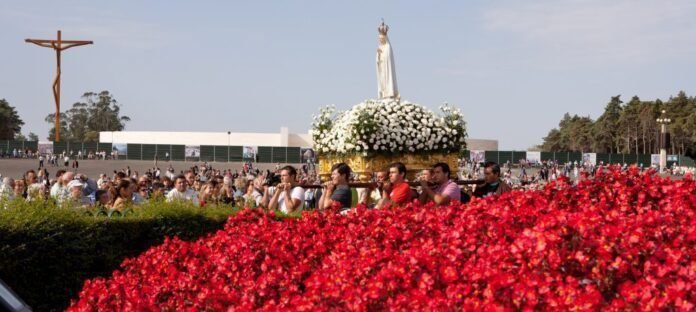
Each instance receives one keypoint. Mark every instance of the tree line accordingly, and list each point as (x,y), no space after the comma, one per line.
(10,123)
(82,122)
(629,128)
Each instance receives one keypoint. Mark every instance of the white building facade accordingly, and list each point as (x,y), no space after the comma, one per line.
(280,139)
(283,138)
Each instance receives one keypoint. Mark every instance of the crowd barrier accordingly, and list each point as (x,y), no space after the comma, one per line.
(502,157)
(273,154)
(263,154)
(6,145)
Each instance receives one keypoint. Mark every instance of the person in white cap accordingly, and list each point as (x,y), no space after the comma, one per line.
(76,198)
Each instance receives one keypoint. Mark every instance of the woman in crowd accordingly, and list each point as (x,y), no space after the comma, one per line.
(214,189)
(206,195)
(248,197)
(124,195)
(157,191)
(254,196)
(44,177)
(135,191)
(197,185)
(226,191)
(239,187)
(19,188)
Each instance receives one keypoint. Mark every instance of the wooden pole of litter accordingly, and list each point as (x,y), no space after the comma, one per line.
(374,185)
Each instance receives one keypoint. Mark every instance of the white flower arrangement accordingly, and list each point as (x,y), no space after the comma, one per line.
(388,126)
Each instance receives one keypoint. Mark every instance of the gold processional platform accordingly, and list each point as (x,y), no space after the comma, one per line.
(365,166)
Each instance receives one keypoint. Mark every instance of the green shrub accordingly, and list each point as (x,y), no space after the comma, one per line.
(47,252)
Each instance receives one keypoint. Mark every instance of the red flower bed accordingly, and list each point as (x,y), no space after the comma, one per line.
(619,241)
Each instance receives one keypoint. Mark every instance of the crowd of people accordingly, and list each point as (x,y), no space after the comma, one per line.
(55,159)
(534,175)
(17,153)
(201,185)
(286,188)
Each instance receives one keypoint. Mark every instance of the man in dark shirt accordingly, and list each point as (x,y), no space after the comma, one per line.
(337,190)
(493,184)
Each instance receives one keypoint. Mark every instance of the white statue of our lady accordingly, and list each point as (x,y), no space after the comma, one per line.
(386,72)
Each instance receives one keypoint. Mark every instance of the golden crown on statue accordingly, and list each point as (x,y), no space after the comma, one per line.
(383,29)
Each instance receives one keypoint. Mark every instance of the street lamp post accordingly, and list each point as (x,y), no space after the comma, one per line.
(663,121)
(228,145)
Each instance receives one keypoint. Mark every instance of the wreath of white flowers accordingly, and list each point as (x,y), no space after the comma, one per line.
(388,126)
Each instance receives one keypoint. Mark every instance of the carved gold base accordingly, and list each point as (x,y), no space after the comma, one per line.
(364,167)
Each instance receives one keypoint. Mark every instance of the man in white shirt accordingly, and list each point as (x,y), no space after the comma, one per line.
(60,190)
(288,197)
(182,192)
(35,190)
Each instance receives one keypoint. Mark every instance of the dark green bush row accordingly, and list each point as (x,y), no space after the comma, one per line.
(47,252)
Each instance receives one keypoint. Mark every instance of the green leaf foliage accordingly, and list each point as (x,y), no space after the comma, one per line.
(49,251)
(94,113)
(10,123)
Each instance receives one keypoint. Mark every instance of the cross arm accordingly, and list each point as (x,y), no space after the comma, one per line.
(70,44)
(65,44)
(43,43)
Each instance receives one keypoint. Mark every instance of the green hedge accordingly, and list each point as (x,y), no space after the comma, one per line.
(47,252)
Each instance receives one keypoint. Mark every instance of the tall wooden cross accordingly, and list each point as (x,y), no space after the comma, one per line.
(58,45)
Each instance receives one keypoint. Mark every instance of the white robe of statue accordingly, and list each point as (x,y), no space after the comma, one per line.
(386,71)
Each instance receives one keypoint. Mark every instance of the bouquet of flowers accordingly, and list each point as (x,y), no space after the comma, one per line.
(388,126)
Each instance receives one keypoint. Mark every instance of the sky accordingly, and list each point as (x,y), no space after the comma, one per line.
(513,67)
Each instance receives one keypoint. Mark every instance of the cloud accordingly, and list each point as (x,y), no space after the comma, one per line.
(598,33)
